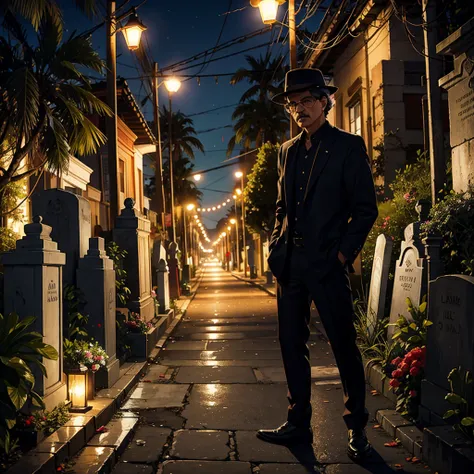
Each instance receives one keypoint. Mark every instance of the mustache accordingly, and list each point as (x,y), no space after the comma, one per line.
(301,116)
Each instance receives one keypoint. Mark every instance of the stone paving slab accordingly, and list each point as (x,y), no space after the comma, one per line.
(34,463)
(155,439)
(203,444)
(156,372)
(206,467)
(221,363)
(118,434)
(186,345)
(92,460)
(250,329)
(201,336)
(149,395)
(162,417)
(246,344)
(87,421)
(215,375)
(277,374)
(270,468)
(224,355)
(391,468)
(236,407)
(131,468)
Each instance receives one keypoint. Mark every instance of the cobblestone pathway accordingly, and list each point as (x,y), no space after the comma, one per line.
(220,378)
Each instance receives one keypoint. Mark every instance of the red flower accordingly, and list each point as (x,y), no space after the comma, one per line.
(394,383)
(396,374)
(417,353)
(409,357)
(396,361)
(413,393)
(417,363)
(404,367)
(27,422)
(414,371)
(99,325)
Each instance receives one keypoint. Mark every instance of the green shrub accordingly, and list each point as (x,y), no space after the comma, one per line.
(453,219)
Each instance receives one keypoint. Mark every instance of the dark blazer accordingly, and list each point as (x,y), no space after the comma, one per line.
(340,205)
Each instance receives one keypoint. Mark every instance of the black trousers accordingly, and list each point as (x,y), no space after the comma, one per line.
(333,299)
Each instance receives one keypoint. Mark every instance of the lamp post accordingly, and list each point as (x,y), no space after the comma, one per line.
(229,246)
(239,174)
(269,11)
(132,32)
(235,222)
(186,272)
(172,85)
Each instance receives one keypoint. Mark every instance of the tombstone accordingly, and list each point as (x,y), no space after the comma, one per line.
(158,254)
(33,287)
(449,339)
(131,233)
(379,281)
(96,280)
(460,86)
(410,270)
(173,265)
(163,283)
(70,217)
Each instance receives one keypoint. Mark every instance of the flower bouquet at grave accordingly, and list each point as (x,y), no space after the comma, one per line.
(83,355)
(406,380)
(135,324)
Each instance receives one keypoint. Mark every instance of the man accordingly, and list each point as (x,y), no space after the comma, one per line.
(325,209)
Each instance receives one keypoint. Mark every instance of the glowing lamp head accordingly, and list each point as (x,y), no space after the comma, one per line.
(268,9)
(132,32)
(229,228)
(238,191)
(173,84)
(197,177)
(190,207)
(77,387)
(234,196)
(238,174)
(233,221)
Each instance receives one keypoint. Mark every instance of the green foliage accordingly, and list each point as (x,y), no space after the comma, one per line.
(9,451)
(136,324)
(411,334)
(461,415)
(8,239)
(78,354)
(76,320)
(453,219)
(411,184)
(20,349)
(50,421)
(117,255)
(261,190)
(121,332)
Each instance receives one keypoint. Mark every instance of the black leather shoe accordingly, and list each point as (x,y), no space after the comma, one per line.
(287,434)
(359,447)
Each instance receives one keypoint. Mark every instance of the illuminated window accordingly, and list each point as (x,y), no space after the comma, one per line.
(355,121)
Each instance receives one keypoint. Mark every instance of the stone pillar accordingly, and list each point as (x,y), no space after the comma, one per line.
(460,86)
(163,283)
(70,217)
(33,287)
(158,253)
(131,233)
(96,280)
(433,244)
(173,265)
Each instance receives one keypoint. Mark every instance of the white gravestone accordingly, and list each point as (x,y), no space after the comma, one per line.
(378,281)
(33,287)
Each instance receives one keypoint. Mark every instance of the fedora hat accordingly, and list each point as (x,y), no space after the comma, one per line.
(301,79)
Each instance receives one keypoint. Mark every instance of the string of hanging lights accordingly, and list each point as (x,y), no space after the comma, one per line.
(217,207)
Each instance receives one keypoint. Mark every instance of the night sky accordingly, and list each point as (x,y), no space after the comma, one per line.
(180,29)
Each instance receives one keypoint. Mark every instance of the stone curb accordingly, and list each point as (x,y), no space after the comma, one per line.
(254,283)
(75,435)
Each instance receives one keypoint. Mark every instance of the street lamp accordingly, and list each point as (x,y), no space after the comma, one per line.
(268,11)
(172,85)
(234,222)
(186,272)
(197,177)
(132,37)
(239,174)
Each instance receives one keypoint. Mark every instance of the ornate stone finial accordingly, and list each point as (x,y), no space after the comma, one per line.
(423,207)
(37,230)
(37,219)
(129,203)
(163,266)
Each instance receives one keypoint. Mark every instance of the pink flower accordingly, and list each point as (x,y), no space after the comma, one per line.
(88,355)
(394,383)
(413,393)
(95,367)
(414,371)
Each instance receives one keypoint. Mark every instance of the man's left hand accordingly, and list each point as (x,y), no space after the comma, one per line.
(341,258)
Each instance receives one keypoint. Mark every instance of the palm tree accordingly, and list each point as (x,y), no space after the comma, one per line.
(183,131)
(184,186)
(46,99)
(35,11)
(258,120)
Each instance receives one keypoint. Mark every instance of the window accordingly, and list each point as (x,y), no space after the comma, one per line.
(413,111)
(122,175)
(355,121)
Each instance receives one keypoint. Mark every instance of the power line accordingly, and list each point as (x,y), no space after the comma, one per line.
(213,129)
(209,111)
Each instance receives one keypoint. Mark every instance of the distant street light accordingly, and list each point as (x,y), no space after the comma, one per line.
(197,177)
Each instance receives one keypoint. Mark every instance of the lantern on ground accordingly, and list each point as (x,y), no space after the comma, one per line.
(77,387)
(132,32)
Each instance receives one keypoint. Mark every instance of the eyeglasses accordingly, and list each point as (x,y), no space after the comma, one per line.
(306,102)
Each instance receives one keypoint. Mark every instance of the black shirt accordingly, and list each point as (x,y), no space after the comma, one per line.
(303,165)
